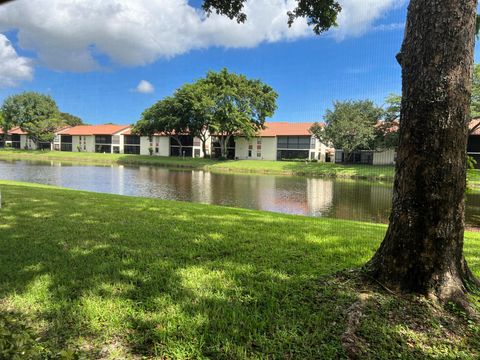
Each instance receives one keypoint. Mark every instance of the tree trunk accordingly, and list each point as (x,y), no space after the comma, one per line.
(423,249)
(225,146)
(222,146)
(177,139)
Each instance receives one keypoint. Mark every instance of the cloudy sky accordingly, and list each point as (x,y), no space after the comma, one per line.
(107,60)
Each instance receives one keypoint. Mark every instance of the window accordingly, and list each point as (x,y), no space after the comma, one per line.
(131,149)
(103,139)
(66,139)
(259,154)
(103,148)
(65,147)
(132,140)
(156,150)
(294,142)
(66,143)
(313,143)
(249,153)
(259,141)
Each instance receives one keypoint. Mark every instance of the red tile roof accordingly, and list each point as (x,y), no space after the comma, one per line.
(474,123)
(286,129)
(85,130)
(15,131)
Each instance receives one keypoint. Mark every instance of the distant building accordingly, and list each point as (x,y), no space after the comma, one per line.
(473,144)
(277,141)
(18,139)
(379,156)
(93,138)
(281,141)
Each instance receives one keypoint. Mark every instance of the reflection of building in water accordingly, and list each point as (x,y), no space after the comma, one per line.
(293,195)
(202,186)
(319,196)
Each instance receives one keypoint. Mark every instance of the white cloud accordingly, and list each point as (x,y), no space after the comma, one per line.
(13,68)
(145,87)
(66,34)
(357,16)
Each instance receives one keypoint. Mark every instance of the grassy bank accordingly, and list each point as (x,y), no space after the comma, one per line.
(105,276)
(239,166)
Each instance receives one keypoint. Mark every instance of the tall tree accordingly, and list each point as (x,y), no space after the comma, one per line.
(350,126)
(70,120)
(387,130)
(240,105)
(475,102)
(164,117)
(34,113)
(196,108)
(423,248)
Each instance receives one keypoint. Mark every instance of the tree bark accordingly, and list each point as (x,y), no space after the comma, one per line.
(177,139)
(423,249)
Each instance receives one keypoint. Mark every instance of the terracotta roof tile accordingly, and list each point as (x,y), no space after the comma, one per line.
(474,123)
(286,129)
(15,131)
(85,130)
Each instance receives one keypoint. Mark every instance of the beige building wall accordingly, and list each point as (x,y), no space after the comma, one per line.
(162,143)
(77,142)
(27,143)
(386,157)
(86,143)
(320,150)
(268,149)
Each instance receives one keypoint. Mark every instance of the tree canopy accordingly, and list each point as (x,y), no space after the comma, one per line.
(222,104)
(475,102)
(34,113)
(387,130)
(321,15)
(70,120)
(350,126)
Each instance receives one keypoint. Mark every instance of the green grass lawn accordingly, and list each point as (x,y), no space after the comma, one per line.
(86,275)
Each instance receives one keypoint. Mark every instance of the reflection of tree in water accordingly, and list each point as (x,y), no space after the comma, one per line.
(361,201)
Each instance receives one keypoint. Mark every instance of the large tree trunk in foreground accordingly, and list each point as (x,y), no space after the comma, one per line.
(423,249)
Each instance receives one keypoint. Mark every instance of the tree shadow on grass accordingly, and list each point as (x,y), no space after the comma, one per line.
(118,276)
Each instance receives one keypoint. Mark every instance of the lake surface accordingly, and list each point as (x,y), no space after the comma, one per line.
(344,199)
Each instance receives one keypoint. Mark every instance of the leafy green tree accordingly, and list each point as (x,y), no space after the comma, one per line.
(435,42)
(165,117)
(393,104)
(35,113)
(70,120)
(320,14)
(240,105)
(196,108)
(350,126)
(387,130)
(223,104)
(475,102)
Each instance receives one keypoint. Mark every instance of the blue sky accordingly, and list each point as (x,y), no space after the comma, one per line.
(308,72)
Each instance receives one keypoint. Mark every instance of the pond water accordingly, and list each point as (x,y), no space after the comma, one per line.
(344,199)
